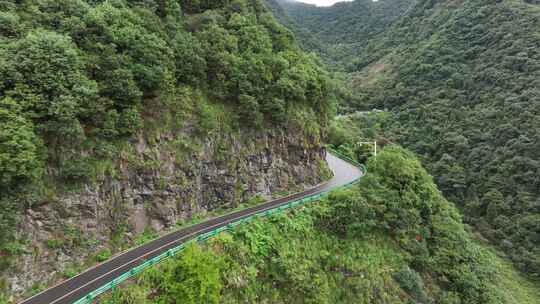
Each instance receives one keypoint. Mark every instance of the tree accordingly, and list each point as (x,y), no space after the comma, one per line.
(49,82)
(189,59)
(131,42)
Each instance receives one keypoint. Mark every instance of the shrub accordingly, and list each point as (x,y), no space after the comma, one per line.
(412,283)
(103,255)
(77,170)
(55,243)
(8,219)
(130,121)
(195,277)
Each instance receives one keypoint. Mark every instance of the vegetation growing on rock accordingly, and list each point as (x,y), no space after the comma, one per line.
(99,92)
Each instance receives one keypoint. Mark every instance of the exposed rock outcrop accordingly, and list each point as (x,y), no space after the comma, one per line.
(155,187)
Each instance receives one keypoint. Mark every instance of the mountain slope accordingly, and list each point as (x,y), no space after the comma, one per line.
(119,118)
(346,22)
(462,81)
(305,37)
(342,30)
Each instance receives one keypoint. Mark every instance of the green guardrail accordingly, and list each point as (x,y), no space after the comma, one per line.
(90,297)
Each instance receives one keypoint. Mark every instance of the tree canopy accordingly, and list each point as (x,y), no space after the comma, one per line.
(461,83)
(80,79)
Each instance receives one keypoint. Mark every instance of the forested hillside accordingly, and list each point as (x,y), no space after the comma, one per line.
(358,20)
(338,33)
(461,80)
(120,119)
(392,238)
(304,36)
(110,105)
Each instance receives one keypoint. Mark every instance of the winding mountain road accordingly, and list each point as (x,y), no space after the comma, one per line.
(69,291)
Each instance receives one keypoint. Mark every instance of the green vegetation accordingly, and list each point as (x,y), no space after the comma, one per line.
(103,255)
(80,80)
(460,80)
(145,237)
(391,239)
(466,100)
(350,134)
(19,155)
(338,33)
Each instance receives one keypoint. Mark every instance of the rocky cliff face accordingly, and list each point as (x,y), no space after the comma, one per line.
(155,187)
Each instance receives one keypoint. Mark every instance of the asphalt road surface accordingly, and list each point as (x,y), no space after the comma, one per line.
(69,291)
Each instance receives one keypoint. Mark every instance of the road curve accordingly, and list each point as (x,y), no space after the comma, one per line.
(69,291)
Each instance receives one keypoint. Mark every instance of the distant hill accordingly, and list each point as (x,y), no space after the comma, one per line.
(462,80)
(340,31)
(304,36)
(346,22)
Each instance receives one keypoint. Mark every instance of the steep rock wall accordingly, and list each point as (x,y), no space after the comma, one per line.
(155,187)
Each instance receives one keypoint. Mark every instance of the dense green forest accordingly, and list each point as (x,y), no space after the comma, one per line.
(79,79)
(461,83)
(359,20)
(304,36)
(392,238)
(338,40)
